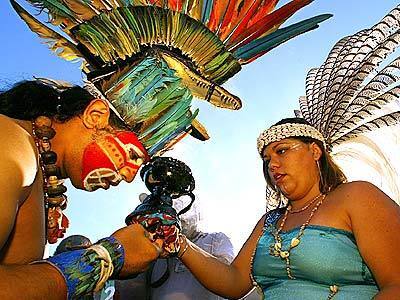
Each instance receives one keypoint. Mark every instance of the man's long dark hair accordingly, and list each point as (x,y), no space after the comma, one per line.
(27,100)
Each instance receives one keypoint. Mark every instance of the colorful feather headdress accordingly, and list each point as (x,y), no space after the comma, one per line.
(357,91)
(148,58)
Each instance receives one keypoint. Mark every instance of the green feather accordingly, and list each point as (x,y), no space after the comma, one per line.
(180,125)
(57,10)
(178,109)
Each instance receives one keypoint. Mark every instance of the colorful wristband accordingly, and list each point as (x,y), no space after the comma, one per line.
(117,253)
(87,270)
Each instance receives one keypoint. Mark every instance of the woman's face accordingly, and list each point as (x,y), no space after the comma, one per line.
(111,159)
(291,166)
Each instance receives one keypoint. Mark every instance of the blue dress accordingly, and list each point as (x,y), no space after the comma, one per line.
(326,256)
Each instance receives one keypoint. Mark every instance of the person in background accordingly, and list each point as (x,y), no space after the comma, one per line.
(169,279)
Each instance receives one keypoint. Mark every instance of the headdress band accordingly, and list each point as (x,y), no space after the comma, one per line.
(283,131)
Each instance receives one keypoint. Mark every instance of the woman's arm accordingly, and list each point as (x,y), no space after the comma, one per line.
(229,281)
(375,221)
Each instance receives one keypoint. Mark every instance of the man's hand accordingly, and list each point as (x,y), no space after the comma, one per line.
(140,251)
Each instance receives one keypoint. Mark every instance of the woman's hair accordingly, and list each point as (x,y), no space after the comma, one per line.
(331,174)
(27,100)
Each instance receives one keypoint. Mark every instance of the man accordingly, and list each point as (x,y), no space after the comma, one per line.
(85,147)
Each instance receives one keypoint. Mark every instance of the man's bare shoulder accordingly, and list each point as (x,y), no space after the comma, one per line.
(17,148)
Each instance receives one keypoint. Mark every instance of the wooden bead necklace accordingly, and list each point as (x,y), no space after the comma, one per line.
(53,189)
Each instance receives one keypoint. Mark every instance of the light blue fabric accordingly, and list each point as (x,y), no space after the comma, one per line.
(325,256)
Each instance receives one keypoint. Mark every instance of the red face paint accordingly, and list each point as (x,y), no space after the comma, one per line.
(104,159)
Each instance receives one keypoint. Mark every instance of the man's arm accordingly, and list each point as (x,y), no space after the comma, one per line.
(25,281)
(30,282)
(22,281)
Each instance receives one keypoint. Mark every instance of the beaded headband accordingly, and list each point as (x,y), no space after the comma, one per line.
(283,131)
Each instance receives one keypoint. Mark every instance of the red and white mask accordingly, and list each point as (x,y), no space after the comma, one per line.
(111,159)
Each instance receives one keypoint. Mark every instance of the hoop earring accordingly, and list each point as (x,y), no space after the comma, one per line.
(321,179)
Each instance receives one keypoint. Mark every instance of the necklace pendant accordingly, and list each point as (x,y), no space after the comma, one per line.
(273,252)
(284,254)
(277,246)
(294,242)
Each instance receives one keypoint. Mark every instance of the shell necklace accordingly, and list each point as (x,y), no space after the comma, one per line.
(276,248)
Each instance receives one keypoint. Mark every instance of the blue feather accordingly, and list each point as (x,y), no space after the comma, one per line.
(278,37)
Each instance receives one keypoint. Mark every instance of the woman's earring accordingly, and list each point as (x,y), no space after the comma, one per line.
(320,173)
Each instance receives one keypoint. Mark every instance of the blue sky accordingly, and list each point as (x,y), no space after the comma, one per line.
(227,169)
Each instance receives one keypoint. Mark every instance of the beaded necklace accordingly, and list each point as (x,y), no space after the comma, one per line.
(276,248)
(306,206)
(53,189)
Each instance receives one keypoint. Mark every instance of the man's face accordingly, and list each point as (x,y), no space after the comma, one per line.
(111,159)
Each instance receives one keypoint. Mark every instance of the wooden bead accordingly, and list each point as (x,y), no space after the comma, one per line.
(52,181)
(49,157)
(43,121)
(45,145)
(45,132)
(52,170)
(57,201)
(56,190)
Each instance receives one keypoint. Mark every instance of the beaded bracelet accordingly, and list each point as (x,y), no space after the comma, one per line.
(87,270)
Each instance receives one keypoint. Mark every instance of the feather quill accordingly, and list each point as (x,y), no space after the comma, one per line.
(57,43)
(389,119)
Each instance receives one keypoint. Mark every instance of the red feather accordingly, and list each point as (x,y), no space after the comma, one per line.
(260,8)
(267,24)
(175,5)
(266,8)
(217,14)
(236,11)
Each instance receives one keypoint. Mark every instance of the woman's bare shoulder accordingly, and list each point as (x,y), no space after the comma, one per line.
(363,196)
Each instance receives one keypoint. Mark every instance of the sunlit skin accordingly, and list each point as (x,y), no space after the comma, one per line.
(357,207)
(292,167)
(22,230)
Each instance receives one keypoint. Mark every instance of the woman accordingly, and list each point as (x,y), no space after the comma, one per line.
(328,239)
(331,239)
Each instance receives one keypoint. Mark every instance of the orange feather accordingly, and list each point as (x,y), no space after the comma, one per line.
(217,14)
